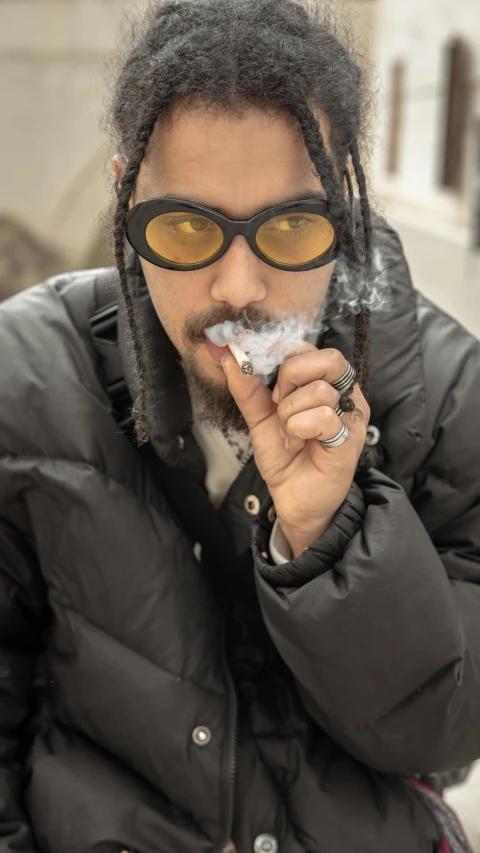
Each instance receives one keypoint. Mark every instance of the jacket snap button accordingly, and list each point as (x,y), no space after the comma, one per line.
(373,436)
(201,735)
(180,442)
(265,844)
(272,514)
(252,504)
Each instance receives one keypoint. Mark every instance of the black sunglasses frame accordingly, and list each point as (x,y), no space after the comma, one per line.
(142,213)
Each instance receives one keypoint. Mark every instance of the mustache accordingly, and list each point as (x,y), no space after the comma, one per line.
(250,317)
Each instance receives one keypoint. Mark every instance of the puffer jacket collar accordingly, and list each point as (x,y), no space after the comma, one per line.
(397,396)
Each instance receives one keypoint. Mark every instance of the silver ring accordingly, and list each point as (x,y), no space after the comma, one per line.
(339,411)
(337,440)
(346,380)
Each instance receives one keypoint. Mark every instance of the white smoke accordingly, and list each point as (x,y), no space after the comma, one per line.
(279,339)
(351,290)
(268,348)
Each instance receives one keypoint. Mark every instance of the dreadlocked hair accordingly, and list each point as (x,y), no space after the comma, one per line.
(278,54)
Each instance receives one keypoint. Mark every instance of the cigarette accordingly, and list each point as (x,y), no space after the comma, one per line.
(242,359)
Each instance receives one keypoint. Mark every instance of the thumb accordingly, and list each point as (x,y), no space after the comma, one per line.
(252,397)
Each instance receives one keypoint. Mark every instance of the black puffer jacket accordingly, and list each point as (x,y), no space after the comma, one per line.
(353,667)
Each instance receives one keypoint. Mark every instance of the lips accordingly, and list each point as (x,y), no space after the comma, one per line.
(215,352)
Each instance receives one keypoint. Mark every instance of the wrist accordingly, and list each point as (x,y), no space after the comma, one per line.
(300,540)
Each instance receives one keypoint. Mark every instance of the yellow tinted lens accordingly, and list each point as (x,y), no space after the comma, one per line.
(294,239)
(185,238)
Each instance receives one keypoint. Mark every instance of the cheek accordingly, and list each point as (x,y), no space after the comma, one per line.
(174,295)
(305,292)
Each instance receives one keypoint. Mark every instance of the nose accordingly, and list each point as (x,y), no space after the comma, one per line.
(239,277)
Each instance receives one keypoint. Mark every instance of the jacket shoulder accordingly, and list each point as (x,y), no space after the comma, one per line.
(49,379)
(450,355)
(450,459)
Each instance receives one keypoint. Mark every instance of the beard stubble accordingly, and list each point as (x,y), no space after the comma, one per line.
(212,403)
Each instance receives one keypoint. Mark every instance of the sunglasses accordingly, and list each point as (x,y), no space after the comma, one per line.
(181,235)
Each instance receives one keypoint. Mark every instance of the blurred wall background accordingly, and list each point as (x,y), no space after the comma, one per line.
(52,154)
(427,164)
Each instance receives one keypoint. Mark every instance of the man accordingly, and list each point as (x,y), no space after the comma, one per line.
(170,683)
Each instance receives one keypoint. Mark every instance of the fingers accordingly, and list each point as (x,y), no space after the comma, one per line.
(322,423)
(319,423)
(327,364)
(252,397)
(311,396)
(306,412)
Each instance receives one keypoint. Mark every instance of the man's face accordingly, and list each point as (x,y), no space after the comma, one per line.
(239,167)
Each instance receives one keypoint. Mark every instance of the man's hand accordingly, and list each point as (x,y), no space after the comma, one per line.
(307,481)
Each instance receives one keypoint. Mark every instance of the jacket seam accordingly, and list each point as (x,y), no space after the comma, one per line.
(80,463)
(173,675)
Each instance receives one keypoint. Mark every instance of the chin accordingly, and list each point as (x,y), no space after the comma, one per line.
(212,402)
(208,369)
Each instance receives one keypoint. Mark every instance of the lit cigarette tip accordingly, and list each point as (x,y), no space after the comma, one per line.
(242,359)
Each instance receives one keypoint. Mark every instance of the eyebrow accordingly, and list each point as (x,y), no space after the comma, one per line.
(303,195)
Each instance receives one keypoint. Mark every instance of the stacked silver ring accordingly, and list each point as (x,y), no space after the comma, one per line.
(341,385)
(345,381)
(338,439)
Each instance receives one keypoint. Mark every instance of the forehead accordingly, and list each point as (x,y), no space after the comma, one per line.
(238,165)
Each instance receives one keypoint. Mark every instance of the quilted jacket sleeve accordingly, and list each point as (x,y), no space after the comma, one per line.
(379,620)
(21,620)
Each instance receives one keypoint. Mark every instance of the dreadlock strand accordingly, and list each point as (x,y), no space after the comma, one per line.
(364,203)
(361,347)
(362,320)
(324,166)
(129,180)
(349,184)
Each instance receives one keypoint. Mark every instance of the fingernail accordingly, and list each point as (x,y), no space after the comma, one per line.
(224,358)
(276,394)
(286,444)
(282,434)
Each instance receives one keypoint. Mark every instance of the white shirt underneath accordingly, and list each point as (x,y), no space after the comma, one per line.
(223,467)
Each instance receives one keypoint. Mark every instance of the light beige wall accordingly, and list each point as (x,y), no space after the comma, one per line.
(52,153)
(364,15)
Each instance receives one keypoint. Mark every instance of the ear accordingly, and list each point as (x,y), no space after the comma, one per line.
(119,164)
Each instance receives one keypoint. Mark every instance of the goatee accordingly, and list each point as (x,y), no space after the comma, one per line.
(212,403)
